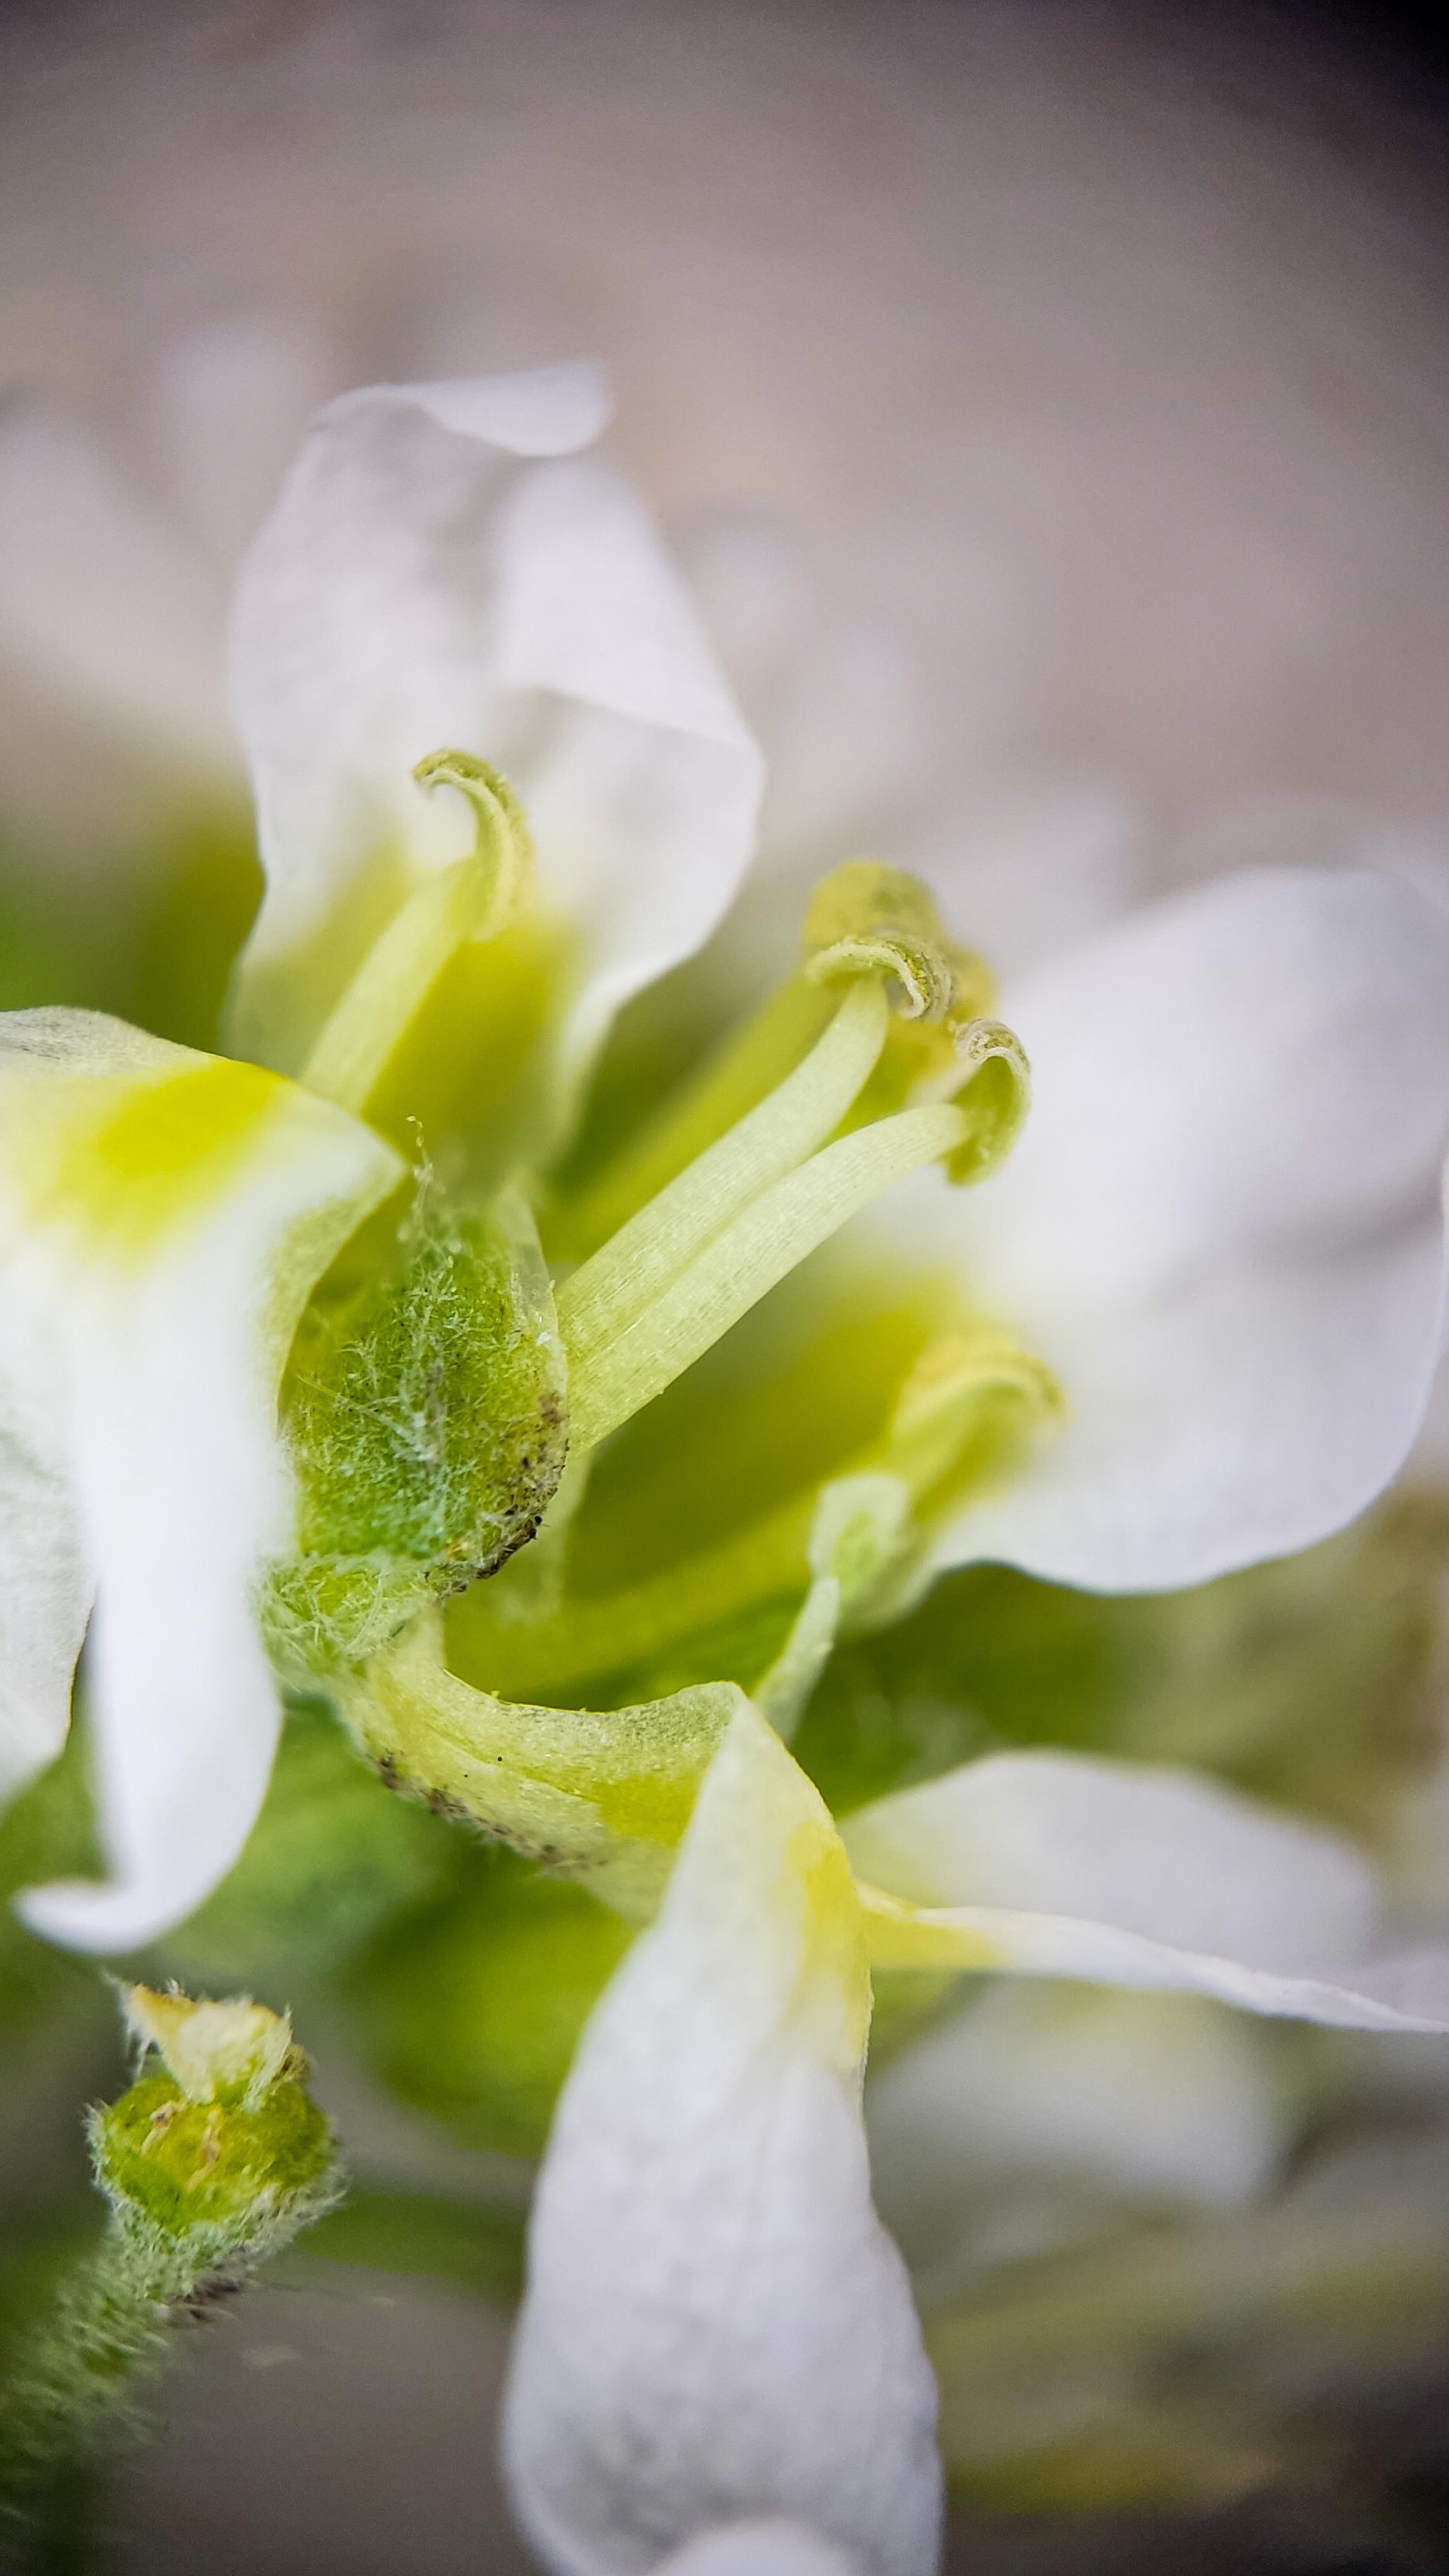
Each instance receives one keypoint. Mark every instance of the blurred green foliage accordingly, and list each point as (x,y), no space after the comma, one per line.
(473,2011)
(478,2246)
(332,1858)
(1191,2363)
(152,943)
(46,1832)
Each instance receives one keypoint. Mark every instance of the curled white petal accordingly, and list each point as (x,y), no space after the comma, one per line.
(1057,1945)
(1157,1852)
(717,2327)
(156,1246)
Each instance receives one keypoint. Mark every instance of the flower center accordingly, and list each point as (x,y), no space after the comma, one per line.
(426,1395)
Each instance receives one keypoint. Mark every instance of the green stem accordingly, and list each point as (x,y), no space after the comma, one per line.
(211,2162)
(73,2380)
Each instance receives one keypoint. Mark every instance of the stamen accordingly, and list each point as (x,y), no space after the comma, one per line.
(864,919)
(621,1281)
(473,899)
(751,1207)
(748,1067)
(769,1239)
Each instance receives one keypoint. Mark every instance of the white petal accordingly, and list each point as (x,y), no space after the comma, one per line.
(1061,1945)
(1222,1229)
(165,1308)
(1056,1865)
(717,2326)
(101,595)
(439,572)
(773,2548)
(1159,1853)
(45,1583)
(1244,1417)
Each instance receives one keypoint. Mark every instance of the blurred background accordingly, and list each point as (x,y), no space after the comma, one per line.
(1050,404)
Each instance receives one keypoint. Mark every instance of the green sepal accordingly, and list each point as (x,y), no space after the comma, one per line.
(425,1413)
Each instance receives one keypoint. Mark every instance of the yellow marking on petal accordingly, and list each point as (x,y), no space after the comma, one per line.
(899,1935)
(131,1159)
(835,1965)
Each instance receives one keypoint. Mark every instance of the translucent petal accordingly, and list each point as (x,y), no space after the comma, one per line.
(441,570)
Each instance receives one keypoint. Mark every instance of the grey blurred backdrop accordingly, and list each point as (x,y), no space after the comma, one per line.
(1085,369)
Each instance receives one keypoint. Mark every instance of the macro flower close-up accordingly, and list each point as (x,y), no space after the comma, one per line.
(720,1464)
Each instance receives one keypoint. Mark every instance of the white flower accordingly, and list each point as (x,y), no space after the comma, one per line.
(1222,1238)
(144,1343)
(442,568)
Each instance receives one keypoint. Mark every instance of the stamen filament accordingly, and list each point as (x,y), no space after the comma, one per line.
(744,1071)
(610,1380)
(605,1296)
(470,900)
